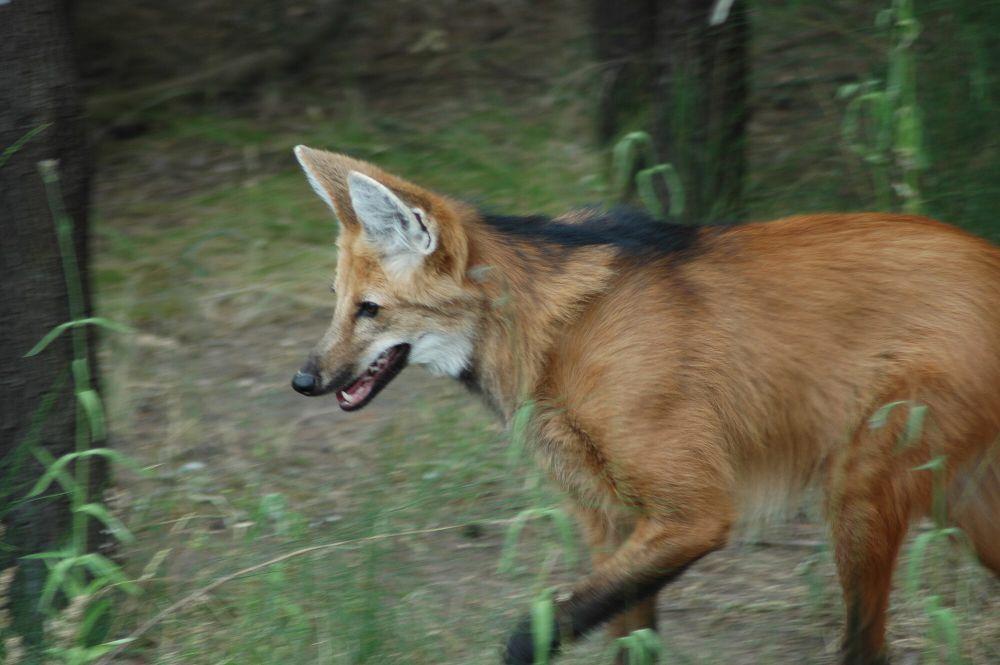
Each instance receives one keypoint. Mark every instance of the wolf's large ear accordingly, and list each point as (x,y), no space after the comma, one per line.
(326,175)
(321,177)
(396,229)
(403,222)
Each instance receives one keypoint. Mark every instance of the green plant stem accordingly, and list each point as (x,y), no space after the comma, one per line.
(81,367)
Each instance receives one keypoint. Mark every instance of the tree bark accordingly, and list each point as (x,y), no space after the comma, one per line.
(700,116)
(38,92)
(624,36)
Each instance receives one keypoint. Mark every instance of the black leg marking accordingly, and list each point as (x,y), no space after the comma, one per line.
(589,610)
(520,648)
(583,612)
(854,651)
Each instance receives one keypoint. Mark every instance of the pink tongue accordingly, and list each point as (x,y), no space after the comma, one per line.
(359,390)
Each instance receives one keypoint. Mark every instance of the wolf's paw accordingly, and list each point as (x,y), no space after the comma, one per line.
(520,649)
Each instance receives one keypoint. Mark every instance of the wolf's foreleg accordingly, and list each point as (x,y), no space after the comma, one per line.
(604,535)
(655,554)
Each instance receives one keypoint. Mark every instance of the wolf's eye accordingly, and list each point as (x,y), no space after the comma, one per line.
(367,309)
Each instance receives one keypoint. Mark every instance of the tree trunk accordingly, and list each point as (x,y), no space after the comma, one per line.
(38,93)
(624,34)
(700,113)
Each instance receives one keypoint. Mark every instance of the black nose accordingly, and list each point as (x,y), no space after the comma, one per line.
(304,383)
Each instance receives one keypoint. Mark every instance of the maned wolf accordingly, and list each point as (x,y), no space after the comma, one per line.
(684,378)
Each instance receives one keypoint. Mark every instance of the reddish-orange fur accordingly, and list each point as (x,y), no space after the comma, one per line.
(677,395)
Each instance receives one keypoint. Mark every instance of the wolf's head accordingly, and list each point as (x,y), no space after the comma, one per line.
(399,289)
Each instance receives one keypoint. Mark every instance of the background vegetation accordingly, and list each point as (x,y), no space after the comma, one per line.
(396,521)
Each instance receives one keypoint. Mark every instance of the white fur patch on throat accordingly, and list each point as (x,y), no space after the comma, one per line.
(444,354)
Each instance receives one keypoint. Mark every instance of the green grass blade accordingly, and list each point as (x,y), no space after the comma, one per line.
(564,527)
(46,555)
(104,568)
(91,403)
(63,327)
(57,577)
(914,425)
(647,192)
(936,464)
(625,159)
(96,610)
(10,150)
(519,431)
(114,525)
(542,627)
(512,537)
(641,647)
(59,465)
(675,188)
(915,560)
(944,629)
(879,419)
(52,473)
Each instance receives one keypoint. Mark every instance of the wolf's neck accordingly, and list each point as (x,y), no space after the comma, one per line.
(532,293)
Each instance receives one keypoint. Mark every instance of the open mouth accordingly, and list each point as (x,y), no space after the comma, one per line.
(377,376)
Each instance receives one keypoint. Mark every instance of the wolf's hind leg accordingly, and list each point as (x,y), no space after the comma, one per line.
(872,493)
(866,542)
(974,503)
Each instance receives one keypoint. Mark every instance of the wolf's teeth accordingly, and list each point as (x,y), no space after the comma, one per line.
(346,397)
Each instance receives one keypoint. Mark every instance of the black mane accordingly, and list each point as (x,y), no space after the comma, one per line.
(629,230)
